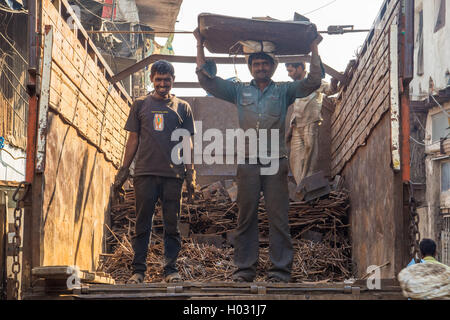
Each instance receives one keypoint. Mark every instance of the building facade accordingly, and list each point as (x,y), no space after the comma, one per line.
(430,101)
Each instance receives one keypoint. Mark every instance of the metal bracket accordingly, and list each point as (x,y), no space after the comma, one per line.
(175,289)
(341,29)
(352,290)
(10,245)
(356,290)
(260,290)
(83,289)
(44,100)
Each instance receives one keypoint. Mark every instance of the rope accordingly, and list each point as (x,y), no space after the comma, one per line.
(443,110)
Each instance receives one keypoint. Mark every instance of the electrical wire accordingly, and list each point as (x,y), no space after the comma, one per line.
(106,20)
(440,106)
(420,123)
(15,111)
(96,15)
(418,142)
(14,48)
(13,86)
(122,22)
(14,75)
(326,5)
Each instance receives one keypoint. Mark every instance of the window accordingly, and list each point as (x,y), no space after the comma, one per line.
(445,185)
(445,240)
(419,41)
(440,127)
(440,14)
(445,176)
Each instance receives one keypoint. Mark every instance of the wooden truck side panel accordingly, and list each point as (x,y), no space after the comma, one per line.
(84,146)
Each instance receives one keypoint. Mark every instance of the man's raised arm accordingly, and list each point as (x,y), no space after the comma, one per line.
(303,88)
(206,73)
(201,60)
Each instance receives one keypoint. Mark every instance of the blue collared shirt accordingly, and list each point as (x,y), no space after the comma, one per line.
(265,109)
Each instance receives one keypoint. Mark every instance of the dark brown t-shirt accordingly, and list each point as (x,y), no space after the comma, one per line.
(155,120)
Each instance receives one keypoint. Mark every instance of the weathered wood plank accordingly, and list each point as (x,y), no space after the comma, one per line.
(71,102)
(364,61)
(378,100)
(64,272)
(357,106)
(81,121)
(54,14)
(361,112)
(76,198)
(361,141)
(359,89)
(81,60)
(372,184)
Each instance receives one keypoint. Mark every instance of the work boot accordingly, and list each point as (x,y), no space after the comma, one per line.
(173,278)
(240,279)
(275,279)
(136,278)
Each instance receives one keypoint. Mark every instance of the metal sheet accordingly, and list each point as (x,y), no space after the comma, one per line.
(223,32)
(44,99)
(395,104)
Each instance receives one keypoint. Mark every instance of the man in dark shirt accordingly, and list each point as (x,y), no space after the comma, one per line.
(261,107)
(157,175)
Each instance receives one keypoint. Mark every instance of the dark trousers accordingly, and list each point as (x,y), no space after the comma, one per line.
(148,190)
(276,195)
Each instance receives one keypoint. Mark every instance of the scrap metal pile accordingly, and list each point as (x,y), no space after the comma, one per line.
(318,228)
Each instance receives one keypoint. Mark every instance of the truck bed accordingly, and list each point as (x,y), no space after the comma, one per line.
(390,290)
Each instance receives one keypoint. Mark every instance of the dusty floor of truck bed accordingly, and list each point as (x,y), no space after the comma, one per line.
(220,291)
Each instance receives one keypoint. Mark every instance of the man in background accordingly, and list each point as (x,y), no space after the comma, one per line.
(303,134)
(261,106)
(428,252)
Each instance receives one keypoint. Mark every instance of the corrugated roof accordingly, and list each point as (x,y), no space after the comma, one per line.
(161,15)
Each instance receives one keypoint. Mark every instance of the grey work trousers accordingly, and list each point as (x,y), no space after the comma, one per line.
(148,190)
(246,250)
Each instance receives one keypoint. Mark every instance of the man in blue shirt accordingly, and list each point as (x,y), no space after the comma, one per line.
(261,105)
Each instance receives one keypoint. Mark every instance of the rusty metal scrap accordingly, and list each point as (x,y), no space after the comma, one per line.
(214,213)
(206,263)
